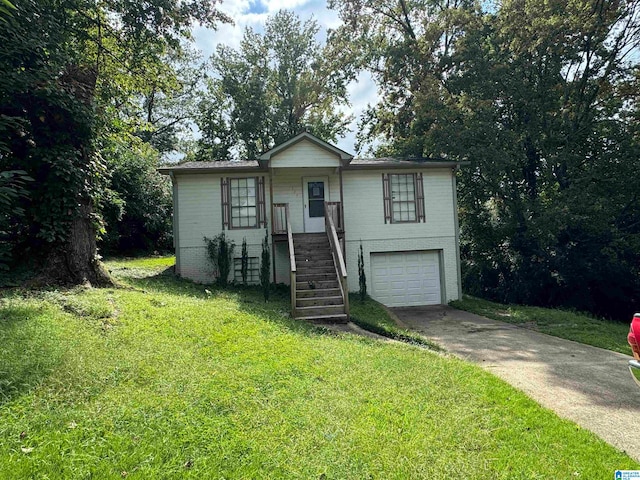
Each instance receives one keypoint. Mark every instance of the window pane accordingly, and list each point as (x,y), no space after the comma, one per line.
(316,208)
(403,198)
(243,202)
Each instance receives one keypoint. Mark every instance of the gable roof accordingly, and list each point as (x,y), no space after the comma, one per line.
(347,160)
(344,156)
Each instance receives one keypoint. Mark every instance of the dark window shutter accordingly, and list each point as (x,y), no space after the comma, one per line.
(262,210)
(224,192)
(386,193)
(419,197)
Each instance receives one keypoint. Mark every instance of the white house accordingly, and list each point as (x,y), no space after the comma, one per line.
(319,205)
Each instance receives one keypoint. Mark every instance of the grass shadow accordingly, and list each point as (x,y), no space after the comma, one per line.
(29,349)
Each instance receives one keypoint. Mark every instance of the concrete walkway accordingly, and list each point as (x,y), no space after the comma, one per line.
(585,384)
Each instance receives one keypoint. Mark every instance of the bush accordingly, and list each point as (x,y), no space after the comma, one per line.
(137,206)
(220,251)
(265,266)
(244,262)
(362,278)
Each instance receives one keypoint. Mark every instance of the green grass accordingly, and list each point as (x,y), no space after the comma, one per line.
(142,262)
(372,316)
(169,379)
(578,327)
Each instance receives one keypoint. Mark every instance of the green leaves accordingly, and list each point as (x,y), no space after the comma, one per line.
(538,96)
(276,85)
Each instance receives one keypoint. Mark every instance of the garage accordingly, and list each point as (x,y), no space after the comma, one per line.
(402,279)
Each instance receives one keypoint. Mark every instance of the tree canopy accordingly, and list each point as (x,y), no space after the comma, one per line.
(542,98)
(274,86)
(72,70)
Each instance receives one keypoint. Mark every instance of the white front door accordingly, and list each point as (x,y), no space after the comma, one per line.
(315,192)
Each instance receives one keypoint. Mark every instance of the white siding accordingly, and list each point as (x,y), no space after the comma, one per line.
(364,221)
(304,154)
(200,215)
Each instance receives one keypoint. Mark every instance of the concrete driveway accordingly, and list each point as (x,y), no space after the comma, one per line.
(585,384)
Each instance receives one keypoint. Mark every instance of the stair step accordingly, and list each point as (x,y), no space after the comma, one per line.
(340,318)
(318,292)
(312,252)
(319,284)
(315,311)
(316,276)
(318,301)
(313,257)
(302,261)
(312,269)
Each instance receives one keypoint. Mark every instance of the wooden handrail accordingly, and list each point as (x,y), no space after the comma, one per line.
(338,258)
(292,261)
(292,255)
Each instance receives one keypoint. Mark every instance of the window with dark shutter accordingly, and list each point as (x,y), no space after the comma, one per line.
(243,203)
(420,197)
(262,210)
(224,190)
(386,193)
(403,197)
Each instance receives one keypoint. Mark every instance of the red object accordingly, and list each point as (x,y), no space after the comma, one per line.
(634,336)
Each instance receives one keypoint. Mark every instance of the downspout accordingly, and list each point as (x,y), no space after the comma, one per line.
(176,225)
(454,170)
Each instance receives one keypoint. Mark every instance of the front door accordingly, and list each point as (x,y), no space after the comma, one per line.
(315,190)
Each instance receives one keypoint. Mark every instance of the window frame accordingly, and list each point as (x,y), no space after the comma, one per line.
(239,207)
(418,197)
(228,207)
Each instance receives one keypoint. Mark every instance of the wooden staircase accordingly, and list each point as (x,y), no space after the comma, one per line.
(318,293)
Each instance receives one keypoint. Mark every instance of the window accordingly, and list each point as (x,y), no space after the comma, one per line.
(243,204)
(403,198)
(253,272)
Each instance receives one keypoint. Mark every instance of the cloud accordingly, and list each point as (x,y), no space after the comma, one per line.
(254,13)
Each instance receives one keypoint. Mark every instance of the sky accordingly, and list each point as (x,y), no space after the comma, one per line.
(253,13)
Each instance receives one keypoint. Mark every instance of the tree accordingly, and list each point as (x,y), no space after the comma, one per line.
(362,277)
(136,207)
(169,103)
(541,98)
(275,86)
(69,67)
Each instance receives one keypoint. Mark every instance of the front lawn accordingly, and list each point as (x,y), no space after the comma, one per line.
(578,327)
(168,379)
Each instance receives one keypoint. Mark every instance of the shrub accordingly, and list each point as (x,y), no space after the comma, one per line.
(265,266)
(244,262)
(220,251)
(362,278)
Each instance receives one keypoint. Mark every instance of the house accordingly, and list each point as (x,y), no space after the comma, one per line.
(319,204)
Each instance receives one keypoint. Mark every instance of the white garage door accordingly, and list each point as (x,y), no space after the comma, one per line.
(406,278)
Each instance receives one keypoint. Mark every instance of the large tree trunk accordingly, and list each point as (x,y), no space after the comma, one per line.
(76,261)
